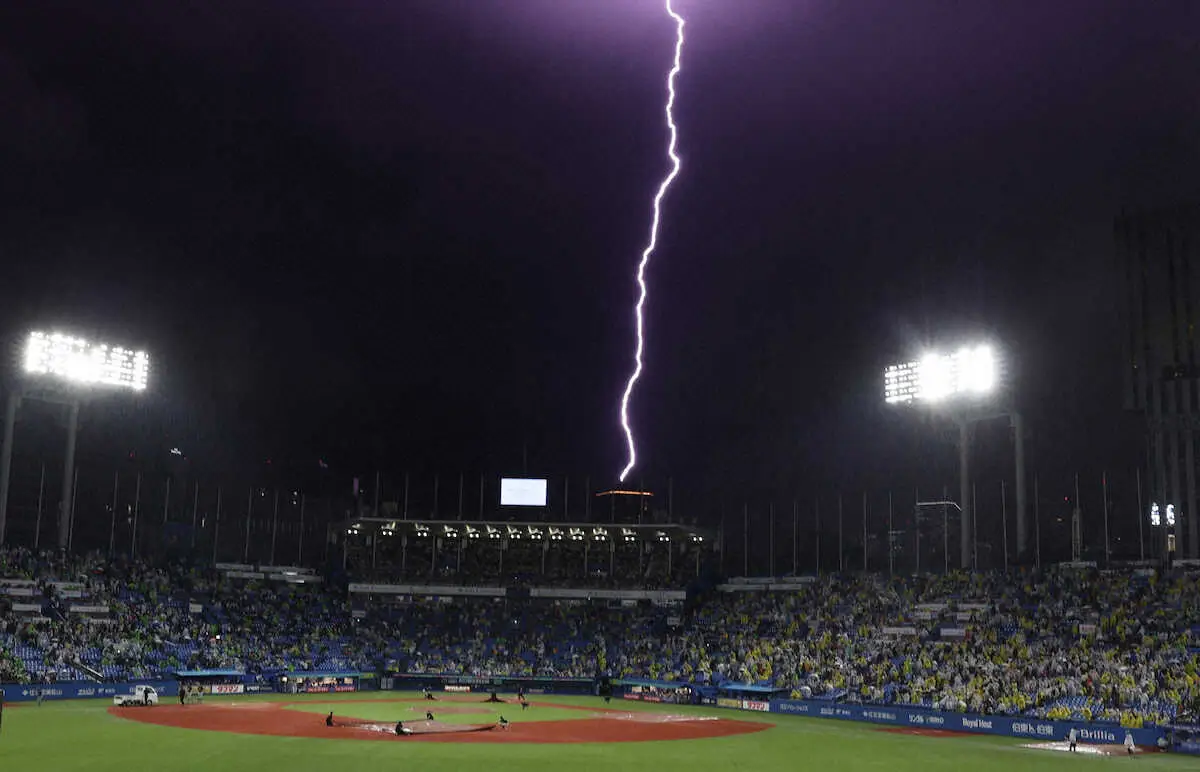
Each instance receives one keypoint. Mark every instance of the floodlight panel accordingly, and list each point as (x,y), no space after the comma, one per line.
(901,383)
(78,361)
(937,378)
(969,371)
(977,370)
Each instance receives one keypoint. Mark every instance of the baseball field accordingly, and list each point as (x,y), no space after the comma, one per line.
(554,733)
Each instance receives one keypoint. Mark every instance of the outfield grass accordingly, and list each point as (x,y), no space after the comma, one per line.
(82,735)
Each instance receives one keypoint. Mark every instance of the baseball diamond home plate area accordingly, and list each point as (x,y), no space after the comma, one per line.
(362,720)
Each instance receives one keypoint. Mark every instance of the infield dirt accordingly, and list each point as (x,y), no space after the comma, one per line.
(600,726)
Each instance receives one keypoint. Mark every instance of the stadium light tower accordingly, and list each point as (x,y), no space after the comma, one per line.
(966,386)
(64,369)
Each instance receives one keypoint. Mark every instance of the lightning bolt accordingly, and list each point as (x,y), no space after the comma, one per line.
(653,243)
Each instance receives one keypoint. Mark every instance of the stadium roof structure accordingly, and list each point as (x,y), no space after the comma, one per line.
(527,530)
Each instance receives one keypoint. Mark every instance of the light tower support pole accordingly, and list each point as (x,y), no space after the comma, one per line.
(964,473)
(1018,424)
(64,511)
(6,451)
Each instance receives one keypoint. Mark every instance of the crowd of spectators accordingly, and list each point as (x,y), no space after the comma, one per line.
(157,620)
(527,638)
(526,563)
(1113,646)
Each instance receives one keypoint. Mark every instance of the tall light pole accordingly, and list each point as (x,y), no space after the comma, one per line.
(966,503)
(1018,426)
(963,386)
(66,370)
(6,451)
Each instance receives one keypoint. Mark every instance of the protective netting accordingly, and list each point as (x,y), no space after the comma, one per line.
(413,727)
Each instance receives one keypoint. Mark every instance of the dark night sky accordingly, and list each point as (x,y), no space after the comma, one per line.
(401,234)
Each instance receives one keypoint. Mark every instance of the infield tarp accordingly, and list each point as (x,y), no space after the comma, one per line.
(417,727)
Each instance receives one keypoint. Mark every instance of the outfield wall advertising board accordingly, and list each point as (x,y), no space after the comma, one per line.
(328,688)
(733,703)
(661,692)
(641,697)
(28,692)
(1018,726)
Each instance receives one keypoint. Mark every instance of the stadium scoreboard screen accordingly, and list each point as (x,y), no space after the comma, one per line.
(522,492)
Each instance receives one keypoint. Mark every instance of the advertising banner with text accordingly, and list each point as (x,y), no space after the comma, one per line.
(26,692)
(1012,726)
